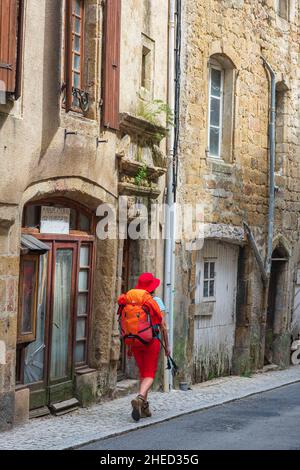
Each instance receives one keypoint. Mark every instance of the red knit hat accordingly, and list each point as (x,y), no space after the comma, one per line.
(147,282)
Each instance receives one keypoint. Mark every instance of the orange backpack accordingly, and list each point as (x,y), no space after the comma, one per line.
(135,318)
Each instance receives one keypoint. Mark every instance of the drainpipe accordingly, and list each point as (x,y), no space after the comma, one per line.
(271,166)
(169,260)
(268,261)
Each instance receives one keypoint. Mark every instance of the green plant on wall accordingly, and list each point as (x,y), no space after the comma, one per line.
(152,111)
(141,175)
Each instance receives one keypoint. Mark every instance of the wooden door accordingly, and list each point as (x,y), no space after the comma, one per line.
(215,316)
(60,372)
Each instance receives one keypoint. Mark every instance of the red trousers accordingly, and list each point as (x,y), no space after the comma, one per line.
(146,356)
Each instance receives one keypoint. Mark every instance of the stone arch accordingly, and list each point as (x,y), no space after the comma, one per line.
(222,49)
(224,60)
(74,188)
(102,348)
(278,312)
(281,243)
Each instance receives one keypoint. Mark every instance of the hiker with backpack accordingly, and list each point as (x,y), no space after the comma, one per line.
(141,321)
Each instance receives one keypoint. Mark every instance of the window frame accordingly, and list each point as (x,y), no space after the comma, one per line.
(81,52)
(215,66)
(70,53)
(209,279)
(30,336)
(89,295)
(288,9)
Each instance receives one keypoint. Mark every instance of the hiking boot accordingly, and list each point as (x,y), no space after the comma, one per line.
(137,404)
(145,412)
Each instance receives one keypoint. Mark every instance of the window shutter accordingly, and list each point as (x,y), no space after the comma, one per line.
(112,39)
(8,44)
(68,55)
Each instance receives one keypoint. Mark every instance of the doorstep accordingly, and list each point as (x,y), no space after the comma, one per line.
(125,387)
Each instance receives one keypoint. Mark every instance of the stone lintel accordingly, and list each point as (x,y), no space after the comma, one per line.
(131,167)
(129,189)
(137,126)
(225,233)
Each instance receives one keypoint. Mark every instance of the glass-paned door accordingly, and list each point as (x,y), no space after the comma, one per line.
(34,361)
(61,319)
(61,349)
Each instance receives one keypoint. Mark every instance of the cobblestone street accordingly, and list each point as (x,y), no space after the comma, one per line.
(113,418)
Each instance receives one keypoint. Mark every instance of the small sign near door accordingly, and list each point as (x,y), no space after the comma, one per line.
(55,220)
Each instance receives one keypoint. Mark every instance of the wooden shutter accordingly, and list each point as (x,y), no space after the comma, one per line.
(112,38)
(68,54)
(8,43)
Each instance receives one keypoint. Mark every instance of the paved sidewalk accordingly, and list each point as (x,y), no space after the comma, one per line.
(112,418)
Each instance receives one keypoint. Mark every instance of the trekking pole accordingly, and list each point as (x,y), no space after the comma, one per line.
(170,361)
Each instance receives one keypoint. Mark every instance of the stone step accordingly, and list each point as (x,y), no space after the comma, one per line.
(125,387)
(39,412)
(64,407)
(270,368)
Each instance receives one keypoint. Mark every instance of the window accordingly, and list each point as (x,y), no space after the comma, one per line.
(76,97)
(146,79)
(147,68)
(28,298)
(209,278)
(83,300)
(11,24)
(215,111)
(77,39)
(79,219)
(221,107)
(283,9)
(111,88)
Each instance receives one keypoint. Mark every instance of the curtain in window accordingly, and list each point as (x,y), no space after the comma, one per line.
(34,352)
(61,314)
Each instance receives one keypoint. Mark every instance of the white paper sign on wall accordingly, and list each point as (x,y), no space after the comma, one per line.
(55,220)
(298,277)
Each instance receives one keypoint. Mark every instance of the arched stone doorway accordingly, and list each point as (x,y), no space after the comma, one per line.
(277,314)
(55,296)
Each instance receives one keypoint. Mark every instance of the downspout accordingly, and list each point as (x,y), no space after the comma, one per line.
(272,118)
(265,267)
(268,262)
(169,221)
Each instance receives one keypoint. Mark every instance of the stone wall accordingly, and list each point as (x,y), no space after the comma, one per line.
(39,160)
(9,269)
(234,189)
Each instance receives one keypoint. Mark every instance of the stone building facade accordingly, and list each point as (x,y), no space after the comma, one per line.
(74,134)
(227,319)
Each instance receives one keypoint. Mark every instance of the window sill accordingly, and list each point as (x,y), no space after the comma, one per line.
(77,116)
(218,165)
(204,309)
